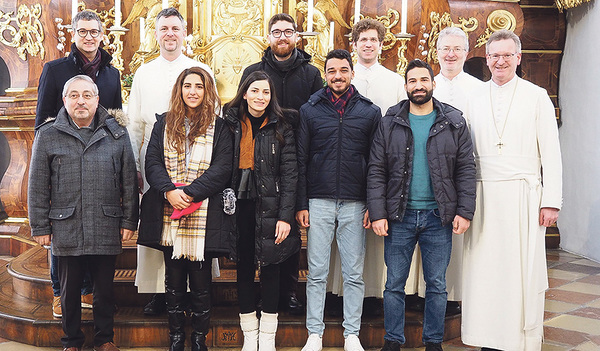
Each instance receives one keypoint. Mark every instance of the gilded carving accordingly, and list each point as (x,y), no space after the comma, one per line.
(568,4)
(236,17)
(498,19)
(27,33)
(441,21)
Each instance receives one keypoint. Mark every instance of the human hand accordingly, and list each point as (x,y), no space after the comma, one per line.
(380,227)
(282,230)
(43,240)
(178,199)
(548,216)
(126,234)
(460,225)
(302,218)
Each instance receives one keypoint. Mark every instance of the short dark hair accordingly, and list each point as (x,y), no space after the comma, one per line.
(86,15)
(364,25)
(416,63)
(281,17)
(339,54)
(170,12)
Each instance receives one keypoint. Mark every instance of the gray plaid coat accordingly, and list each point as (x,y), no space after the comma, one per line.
(83,194)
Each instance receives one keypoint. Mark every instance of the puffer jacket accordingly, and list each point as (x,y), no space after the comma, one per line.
(276,172)
(83,193)
(449,155)
(292,87)
(333,151)
(219,239)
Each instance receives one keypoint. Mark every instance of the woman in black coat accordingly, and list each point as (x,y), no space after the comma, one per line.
(188,165)
(264,177)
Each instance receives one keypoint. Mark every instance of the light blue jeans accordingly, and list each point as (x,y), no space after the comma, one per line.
(342,219)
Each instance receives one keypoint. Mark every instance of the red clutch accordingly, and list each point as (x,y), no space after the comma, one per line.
(186,211)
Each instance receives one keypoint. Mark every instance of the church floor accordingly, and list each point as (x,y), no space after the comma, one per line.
(571,321)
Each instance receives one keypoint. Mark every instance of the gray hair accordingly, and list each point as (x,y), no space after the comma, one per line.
(86,15)
(170,12)
(80,77)
(503,34)
(453,32)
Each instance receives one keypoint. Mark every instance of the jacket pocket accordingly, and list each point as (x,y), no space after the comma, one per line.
(112,211)
(64,227)
(109,226)
(58,214)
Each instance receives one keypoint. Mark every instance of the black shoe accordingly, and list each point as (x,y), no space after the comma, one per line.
(177,342)
(199,342)
(390,345)
(452,308)
(414,303)
(294,306)
(433,346)
(156,306)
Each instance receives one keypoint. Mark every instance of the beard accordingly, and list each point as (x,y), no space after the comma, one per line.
(283,52)
(420,100)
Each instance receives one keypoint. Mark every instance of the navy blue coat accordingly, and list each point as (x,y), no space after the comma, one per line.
(56,73)
(333,152)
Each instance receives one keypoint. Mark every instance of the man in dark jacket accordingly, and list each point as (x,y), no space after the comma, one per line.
(334,137)
(421,188)
(295,80)
(87,58)
(83,200)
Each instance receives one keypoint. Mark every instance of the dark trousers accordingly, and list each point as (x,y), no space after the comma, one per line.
(269,275)
(71,270)
(177,274)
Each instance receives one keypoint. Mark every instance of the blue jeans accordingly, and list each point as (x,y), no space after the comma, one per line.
(435,241)
(87,278)
(325,215)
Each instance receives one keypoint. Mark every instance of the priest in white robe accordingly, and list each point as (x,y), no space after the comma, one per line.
(515,137)
(385,88)
(150,95)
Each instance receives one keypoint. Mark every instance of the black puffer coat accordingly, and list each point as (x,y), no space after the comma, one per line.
(333,151)
(450,159)
(292,87)
(276,173)
(220,239)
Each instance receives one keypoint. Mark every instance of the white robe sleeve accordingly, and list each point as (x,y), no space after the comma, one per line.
(549,150)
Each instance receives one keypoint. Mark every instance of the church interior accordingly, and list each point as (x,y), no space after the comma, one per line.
(560,51)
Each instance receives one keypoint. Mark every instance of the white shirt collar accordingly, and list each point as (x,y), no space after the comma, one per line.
(508,84)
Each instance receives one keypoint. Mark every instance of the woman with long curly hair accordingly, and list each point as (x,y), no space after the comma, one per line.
(264,177)
(188,165)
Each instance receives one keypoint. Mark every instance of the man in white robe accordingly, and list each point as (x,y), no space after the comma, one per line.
(504,265)
(150,95)
(385,88)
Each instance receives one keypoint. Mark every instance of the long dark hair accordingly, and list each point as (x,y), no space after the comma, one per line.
(273,109)
(199,118)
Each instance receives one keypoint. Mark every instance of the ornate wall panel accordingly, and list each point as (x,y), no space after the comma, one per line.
(543,29)
(542,69)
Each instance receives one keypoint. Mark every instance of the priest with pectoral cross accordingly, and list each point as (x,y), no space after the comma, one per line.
(515,136)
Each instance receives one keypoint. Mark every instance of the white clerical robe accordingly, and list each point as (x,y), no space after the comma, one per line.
(385,88)
(515,135)
(150,94)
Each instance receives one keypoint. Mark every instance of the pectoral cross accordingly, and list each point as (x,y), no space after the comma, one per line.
(499,145)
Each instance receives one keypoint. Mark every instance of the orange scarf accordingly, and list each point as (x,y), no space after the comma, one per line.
(247,143)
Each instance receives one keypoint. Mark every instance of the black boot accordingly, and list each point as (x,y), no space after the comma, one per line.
(200,305)
(175,302)
(199,342)
(156,306)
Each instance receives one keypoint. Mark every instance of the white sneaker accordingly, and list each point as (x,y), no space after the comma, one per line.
(314,343)
(352,343)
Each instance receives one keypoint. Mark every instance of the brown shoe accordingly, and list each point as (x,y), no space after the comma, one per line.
(109,346)
(72,348)
(87,301)
(56,307)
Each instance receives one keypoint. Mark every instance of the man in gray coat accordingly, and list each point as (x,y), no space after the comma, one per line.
(83,200)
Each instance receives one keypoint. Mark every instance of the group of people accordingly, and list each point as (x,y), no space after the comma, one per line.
(453,159)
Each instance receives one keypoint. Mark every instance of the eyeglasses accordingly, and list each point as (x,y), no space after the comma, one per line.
(456,50)
(84,32)
(496,57)
(276,33)
(76,96)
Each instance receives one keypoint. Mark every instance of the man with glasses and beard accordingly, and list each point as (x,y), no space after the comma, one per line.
(421,189)
(87,58)
(295,80)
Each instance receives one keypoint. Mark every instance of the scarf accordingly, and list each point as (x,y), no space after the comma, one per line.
(186,235)
(247,143)
(90,68)
(340,103)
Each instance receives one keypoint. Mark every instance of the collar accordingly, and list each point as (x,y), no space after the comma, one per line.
(509,84)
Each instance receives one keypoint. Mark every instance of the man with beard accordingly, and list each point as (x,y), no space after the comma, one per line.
(421,189)
(295,80)
(334,138)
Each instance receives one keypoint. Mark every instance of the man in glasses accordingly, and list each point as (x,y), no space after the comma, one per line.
(87,58)
(295,81)
(515,137)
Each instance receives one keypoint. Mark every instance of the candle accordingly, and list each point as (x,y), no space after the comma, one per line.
(404,17)
(331,35)
(311,9)
(73,10)
(356,11)
(142,30)
(165,4)
(117,13)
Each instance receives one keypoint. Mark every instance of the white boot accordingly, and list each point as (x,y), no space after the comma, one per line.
(268,328)
(249,325)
